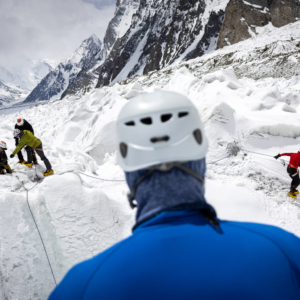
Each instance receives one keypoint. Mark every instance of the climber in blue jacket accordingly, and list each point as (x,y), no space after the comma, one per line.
(179,249)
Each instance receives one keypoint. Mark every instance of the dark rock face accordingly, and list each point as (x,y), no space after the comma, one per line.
(161,32)
(64,75)
(45,90)
(242,18)
(284,12)
(211,35)
(124,12)
(83,80)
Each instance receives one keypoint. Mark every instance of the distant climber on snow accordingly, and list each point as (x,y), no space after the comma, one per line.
(22,124)
(4,166)
(26,137)
(293,172)
(179,249)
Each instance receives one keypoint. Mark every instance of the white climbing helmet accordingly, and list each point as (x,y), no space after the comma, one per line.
(3,145)
(16,132)
(20,121)
(158,128)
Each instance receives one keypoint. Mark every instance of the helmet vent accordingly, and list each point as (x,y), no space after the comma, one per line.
(182,114)
(164,138)
(198,136)
(130,123)
(123,149)
(166,117)
(146,121)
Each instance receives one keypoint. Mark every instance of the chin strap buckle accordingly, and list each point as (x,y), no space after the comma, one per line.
(130,198)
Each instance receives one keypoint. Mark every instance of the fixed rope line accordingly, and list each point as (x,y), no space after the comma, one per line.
(281,159)
(213,162)
(255,152)
(27,190)
(101,178)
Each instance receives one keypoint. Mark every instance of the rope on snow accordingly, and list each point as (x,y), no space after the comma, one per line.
(27,199)
(101,178)
(233,149)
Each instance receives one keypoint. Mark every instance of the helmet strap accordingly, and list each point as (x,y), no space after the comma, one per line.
(131,194)
(165,167)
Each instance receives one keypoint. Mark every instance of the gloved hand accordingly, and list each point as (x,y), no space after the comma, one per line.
(277,156)
(12,156)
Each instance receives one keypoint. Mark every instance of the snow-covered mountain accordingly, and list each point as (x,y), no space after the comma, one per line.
(9,93)
(144,36)
(162,32)
(57,81)
(116,28)
(79,216)
(27,74)
(18,80)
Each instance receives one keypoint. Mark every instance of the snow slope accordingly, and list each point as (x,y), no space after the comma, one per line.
(79,216)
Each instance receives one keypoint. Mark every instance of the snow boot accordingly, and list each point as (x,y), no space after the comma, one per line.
(28,164)
(8,169)
(48,172)
(295,191)
(292,195)
(22,162)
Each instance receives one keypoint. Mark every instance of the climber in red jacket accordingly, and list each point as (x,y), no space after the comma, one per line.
(293,172)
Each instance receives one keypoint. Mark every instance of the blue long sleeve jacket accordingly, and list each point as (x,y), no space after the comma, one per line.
(179,255)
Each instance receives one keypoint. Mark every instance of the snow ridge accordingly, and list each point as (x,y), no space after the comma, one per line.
(57,81)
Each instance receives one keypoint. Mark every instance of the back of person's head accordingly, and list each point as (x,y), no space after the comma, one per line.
(3,145)
(158,128)
(162,148)
(20,121)
(17,133)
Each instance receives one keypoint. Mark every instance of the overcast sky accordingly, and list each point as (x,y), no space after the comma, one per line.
(49,29)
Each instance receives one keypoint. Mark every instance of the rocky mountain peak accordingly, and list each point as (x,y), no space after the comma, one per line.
(149,35)
(161,32)
(87,54)
(120,23)
(64,75)
(244,18)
